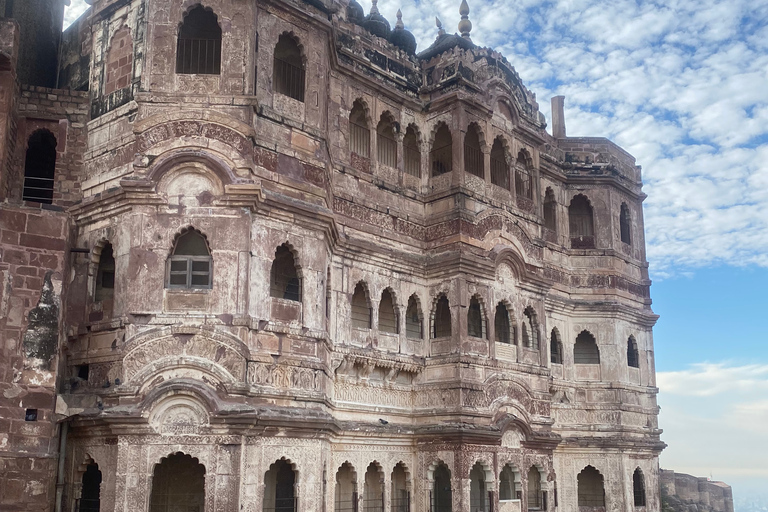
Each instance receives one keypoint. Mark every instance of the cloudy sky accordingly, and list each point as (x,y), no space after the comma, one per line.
(683,86)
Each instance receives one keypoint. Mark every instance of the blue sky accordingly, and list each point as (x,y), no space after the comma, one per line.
(683,86)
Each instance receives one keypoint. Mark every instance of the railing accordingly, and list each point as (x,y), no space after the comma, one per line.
(402,504)
(283,505)
(359,139)
(198,56)
(412,161)
(441,159)
(473,161)
(499,173)
(441,501)
(39,190)
(374,505)
(387,150)
(288,79)
(347,505)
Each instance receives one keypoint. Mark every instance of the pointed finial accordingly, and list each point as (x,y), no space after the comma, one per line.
(440,31)
(374,7)
(399,24)
(465,26)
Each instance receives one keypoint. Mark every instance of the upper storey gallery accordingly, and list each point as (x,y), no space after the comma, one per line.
(350,93)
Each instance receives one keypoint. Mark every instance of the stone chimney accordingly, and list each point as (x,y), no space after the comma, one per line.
(558,117)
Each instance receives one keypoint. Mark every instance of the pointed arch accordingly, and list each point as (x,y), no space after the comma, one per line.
(479,485)
(555,347)
(442,493)
(585,350)
(361,306)
(633,355)
(414,319)
(501,323)
(412,151)
(284,275)
(373,488)
(280,487)
(400,495)
(441,317)
(530,328)
(550,210)
(359,130)
(581,223)
(346,488)
(499,166)
(510,485)
(638,487)
(524,175)
(40,167)
(534,492)
(90,494)
(625,224)
(473,153)
(198,49)
(441,154)
(388,312)
(591,488)
(288,75)
(178,479)
(190,263)
(386,140)
(476,318)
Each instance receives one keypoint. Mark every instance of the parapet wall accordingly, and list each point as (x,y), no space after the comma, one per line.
(679,491)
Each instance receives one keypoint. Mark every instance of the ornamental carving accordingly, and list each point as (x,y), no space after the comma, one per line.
(283,376)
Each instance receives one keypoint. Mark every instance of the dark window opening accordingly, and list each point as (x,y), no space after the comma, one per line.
(387,314)
(400,499)
(190,263)
(478,493)
(473,155)
(501,324)
(442,323)
(585,350)
(580,223)
(441,156)
(530,329)
(199,46)
(633,356)
(550,221)
(509,484)
(284,280)
(361,309)
(638,487)
(328,293)
(279,487)
(105,274)
(83,371)
(555,347)
(412,153)
(413,319)
(30,415)
(178,483)
(346,489)
(288,76)
(441,496)
(373,491)
(535,497)
(624,224)
(359,133)
(90,496)
(40,167)
(524,176)
(475,319)
(499,167)
(591,492)
(386,144)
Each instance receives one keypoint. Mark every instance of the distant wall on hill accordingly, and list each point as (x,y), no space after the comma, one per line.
(686,493)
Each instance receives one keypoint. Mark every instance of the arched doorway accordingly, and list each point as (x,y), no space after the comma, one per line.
(280,488)
(178,485)
(441,496)
(90,496)
(478,489)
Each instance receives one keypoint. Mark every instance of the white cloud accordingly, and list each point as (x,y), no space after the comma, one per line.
(74,11)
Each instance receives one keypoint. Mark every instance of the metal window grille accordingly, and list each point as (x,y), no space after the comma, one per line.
(348,505)
(189,272)
(289,504)
(441,500)
(441,159)
(638,488)
(289,79)
(359,139)
(535,500)
(387,317)
(361,312)
(198,56)
(402,503)
(474,319)
(387,150)
(499,173)
(442,327)
(501,324)
(585,351)
(412,161)
(473,160)
(523,185)
(375,504)
(412,321)
(39,190)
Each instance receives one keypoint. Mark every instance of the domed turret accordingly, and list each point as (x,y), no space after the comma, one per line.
(402,38)
(355,12)
(375,23)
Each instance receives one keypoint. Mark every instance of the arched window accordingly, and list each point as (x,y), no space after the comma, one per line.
(90,496)
(550,219)
(625,223)
(501,324)
(400,499)
(633,356)
(524,175)
(638,487)
(178,483)
(442,323)
(361,309)
(280,488)
(530,329)
(413,319)
(473,155)
(555,347)
(535,498)
(499,167)
(288,68)
(387,314)
(346,489)
(509,483)
(441,156)
(585,350)
(40,167)
(359,133)
(475,320)
(199,46)
(441,489)
(412,153)
(105,274)
(478,493)
(580,223)
(386,145)
(284,280)
(190,263)
(591,492)
(373,493)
